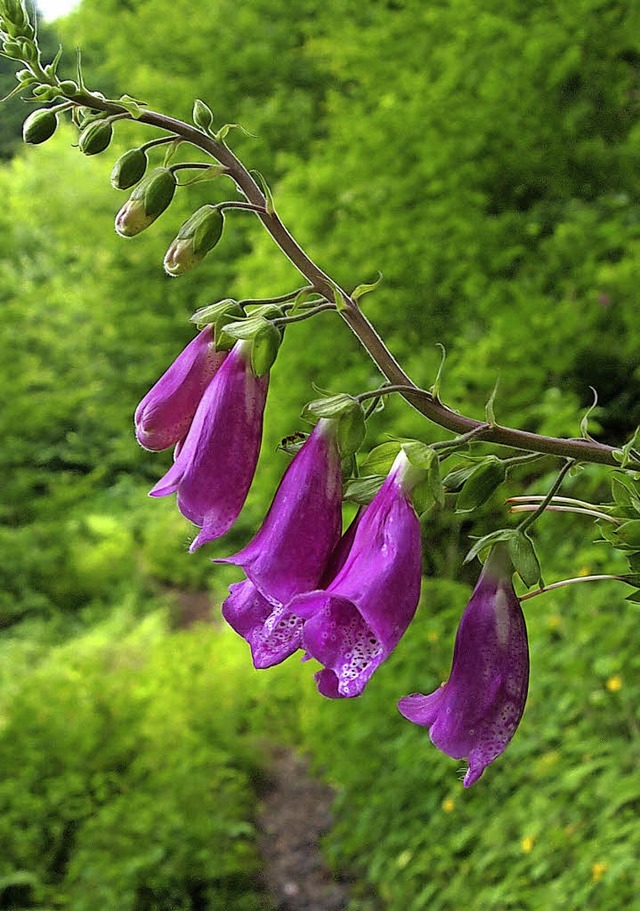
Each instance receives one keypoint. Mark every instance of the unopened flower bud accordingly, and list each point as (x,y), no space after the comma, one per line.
(128,169)
(95,137)
(68,87)
(39,126)
(202,115)
(149,200)
(196,237)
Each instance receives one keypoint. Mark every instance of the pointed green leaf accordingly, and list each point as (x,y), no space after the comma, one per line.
(363,289)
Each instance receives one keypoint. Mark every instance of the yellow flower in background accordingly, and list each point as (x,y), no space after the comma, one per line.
(527,844)
(448,805)
(598,869)
(614,684)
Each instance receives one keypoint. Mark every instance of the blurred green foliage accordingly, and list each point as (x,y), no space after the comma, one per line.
(486,161)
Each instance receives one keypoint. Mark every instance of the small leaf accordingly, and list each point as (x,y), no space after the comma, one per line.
(363,289)
(435,389)
(264,186)
(584,423)
(488,409)
(132,105)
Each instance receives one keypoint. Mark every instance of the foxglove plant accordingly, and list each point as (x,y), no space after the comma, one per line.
(216,462)
(476,712)
(345,603)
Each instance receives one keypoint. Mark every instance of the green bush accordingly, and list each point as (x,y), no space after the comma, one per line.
(129,773)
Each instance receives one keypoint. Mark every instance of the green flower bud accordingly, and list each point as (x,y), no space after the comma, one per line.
(96,137)
(39,126)
(196,237)
(12,49)
(202,115)
(149,200)
(68,87)
(128,169)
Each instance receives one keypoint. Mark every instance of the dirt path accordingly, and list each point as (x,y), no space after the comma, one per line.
(295,815)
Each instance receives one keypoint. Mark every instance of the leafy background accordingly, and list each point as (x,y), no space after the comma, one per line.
(486,161)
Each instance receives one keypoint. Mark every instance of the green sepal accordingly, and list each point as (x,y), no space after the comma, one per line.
(381,458)
(332,406)
(212,313)
(524,558)
(39,126)
(352,430)
(485,543)
(128,169)
(481,484)
(156,191)
(95,138)
(456,478)
(363,490)
(634,597)
(428,491)
(264,350)
(202,115)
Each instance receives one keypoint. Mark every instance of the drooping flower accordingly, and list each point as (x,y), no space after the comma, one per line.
(290,551)
(476,712)
(164,415)
(353,624)
(272,632)
(215,464)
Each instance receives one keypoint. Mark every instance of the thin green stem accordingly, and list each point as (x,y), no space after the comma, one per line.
(306,314)
(574,581)
(280,299)
(528,522)
(596,514)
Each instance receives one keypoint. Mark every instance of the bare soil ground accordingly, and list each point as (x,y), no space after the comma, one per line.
(295,815)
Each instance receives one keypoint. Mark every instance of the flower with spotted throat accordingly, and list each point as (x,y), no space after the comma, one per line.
(476,712)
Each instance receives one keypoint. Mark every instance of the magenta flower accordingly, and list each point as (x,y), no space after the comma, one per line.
(353,624)
(164,415)
(215,463)
(290,551)
(273,632)
(475,714)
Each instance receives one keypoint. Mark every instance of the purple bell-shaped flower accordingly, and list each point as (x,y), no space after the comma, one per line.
(353,624)
(476,712)
(215,464)
(164,415)
(291,550)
